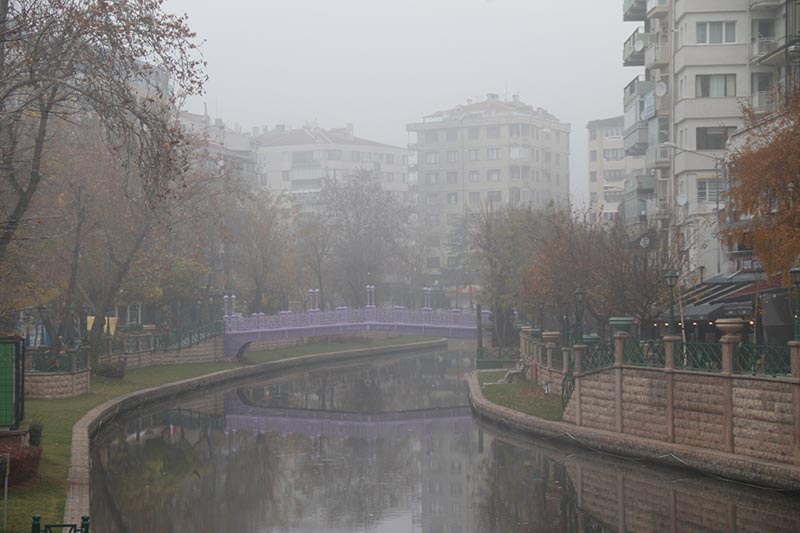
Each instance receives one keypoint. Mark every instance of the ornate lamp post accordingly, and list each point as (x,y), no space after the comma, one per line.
(233,305)
(225,299)
(427,306)
(794,272)
(580,295)
(672,279)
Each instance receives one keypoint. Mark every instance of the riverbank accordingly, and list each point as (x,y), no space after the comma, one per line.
(46,494)
(722,464)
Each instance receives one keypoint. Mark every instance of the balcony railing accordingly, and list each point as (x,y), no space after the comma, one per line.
(764,101)
(746,261)
(633,49)
(764,46)
(634,10)
(659,156)
(654,4)
(657,54)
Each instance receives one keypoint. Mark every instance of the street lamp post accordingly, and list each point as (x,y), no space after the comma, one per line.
(580,295)
(794,272)
(672,279)
(427,291)
(225,299)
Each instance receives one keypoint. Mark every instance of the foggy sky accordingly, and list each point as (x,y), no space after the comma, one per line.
(381,64)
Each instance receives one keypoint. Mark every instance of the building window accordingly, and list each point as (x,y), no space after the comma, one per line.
(389,176)
(432,178)
(474,155)
(493,154)
(474,133)
(452,156)
(614,154)
(475,198)
(452,178)
(432,157)
(612,196)
(710,190)
(493,174)
(334,155)
(432,262)
(355,156)
(452,261)
(433,199)
(452,198)
(517,151)
(494,196)
(593,198)
(716,32)
(592,155)
(286,175)
(592,134)
(390,159)
(451,134)
(516,173)
(493,132)
(548,157)
(430,137)
(613,132)
(713,138)
(593,176)
(715,85)
(474,176)
(614,175)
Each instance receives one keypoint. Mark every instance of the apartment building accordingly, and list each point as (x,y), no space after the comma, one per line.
(295,160)
(701,61)
(609,166)
(490,151)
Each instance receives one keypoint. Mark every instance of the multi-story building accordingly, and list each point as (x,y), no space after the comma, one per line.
(294,161)
(701,61)
(487,152)
(609,166)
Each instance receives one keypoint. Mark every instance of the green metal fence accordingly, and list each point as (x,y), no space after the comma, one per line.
(762,360)
(644,352)
(38,527)
(138,342)
(596,356)
(704,356)
(46,360)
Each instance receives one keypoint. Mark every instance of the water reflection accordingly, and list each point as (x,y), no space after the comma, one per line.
(388,446)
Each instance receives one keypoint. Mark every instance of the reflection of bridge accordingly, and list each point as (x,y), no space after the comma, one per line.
(255,419)
(240,331)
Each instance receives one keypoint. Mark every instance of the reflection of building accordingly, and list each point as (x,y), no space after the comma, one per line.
(491,152)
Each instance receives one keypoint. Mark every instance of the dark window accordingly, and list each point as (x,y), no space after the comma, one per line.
(713,138)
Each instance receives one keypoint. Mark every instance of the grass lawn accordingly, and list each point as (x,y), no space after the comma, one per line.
(523,396)
(46,494)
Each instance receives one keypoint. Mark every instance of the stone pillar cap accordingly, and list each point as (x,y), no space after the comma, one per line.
(551,336)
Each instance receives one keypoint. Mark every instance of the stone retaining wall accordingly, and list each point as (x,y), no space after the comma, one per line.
(51,385)
(78,490)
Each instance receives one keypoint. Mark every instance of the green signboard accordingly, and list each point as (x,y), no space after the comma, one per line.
(8,395)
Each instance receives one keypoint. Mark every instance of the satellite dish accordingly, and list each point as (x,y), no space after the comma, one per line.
(661,88)
(638,45)
(681,200)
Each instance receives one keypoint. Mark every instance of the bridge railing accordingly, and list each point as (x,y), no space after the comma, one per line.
(347,316)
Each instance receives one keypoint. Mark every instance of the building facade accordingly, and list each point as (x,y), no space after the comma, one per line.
(294,161)
(701,61)
(489,152)
(609,166)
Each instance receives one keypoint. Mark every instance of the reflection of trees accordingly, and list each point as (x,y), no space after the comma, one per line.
(517,495)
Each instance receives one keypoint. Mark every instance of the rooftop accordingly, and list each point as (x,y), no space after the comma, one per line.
(490,106)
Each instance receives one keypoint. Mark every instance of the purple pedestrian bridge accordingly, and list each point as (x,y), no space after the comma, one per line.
(371,426)
(240,331)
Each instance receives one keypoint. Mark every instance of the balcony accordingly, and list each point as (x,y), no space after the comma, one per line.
(763,47)
(657,55)
(636,89)
(764,102)
(635,141)
(634,10)
(657,8)
(633,49)
(658,157)
(746,261)
(765,4)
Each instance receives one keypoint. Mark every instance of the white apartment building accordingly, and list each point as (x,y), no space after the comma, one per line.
(294,161)
(609,166)
(702,60)
(491,151)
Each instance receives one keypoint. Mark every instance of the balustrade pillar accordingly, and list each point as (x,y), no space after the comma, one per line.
(670,342)
(730,327)
(550,338)
(579,349)
(619,358)
(794,350)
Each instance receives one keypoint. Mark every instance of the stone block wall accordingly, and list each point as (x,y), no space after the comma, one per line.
(753,416)
(51,385)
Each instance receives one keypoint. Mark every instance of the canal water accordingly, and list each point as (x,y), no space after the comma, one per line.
(390,446)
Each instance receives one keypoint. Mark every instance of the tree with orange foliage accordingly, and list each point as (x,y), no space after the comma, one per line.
(764,165)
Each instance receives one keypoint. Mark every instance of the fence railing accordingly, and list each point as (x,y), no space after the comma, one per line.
(762,360)
(130,343)
(704,356)
(596,356)
(644,352)
(44,359)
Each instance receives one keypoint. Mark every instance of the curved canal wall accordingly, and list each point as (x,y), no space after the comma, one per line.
(607,439)
(78,487)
